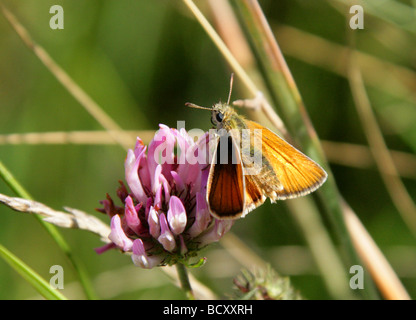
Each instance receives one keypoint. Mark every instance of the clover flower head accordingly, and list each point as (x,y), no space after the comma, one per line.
(164,219)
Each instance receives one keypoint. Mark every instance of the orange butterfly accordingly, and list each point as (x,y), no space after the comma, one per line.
(236,183)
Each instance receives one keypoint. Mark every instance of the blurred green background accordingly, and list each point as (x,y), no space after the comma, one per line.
(141,61)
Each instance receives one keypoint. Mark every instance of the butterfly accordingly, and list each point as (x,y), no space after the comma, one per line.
(251,163)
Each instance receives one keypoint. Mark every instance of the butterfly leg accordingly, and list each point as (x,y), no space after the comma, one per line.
(255,103)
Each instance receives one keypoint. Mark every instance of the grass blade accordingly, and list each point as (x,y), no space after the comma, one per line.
(79,267)
(73,88)
(286,97)
(31,276)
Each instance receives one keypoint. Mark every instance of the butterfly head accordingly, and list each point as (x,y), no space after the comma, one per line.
(221,115)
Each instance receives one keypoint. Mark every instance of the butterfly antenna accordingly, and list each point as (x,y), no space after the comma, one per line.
(192,105)
(231,88)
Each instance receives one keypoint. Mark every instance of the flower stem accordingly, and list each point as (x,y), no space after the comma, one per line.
(184,280)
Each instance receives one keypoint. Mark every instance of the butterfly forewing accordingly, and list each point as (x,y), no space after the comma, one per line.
(225,188)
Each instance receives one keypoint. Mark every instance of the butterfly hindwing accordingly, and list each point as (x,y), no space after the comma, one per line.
(286,172)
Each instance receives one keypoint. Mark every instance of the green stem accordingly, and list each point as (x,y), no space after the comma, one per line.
(11,181)
(184,280)
(79,267)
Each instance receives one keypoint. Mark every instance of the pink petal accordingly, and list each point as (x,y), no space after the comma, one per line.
(161,148)
(220,228)
(132,217)
(139,147)
(166,237)
(141,258)
(158,198)
(176,215)
(148,205)
(105,248)
(155,178)
(144,173)
(183,143)
(158,181)
(132,177)
(118,236)
(178,180)
(154,224)
(190,172)
(166,187)
(202,216)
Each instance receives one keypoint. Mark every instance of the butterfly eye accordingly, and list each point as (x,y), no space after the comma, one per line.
(219,116)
